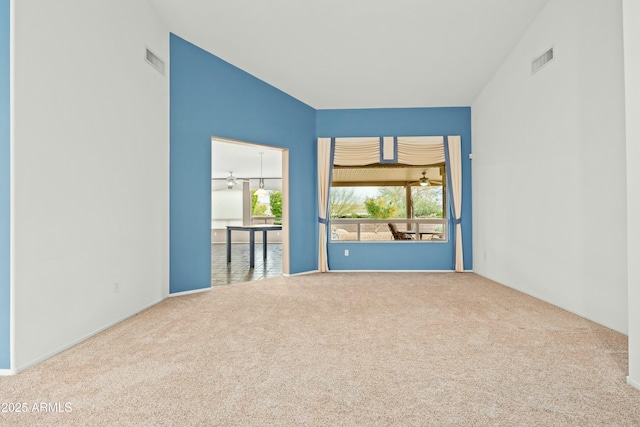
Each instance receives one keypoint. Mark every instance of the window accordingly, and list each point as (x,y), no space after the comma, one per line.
(388,202)
(266,208)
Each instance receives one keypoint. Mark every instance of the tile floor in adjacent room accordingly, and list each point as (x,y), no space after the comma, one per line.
(238,271)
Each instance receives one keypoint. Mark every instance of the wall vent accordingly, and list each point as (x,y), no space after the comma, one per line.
(541,61)
(154,61)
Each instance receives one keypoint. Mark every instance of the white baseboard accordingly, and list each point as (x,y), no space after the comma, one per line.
(195,291)
(392,271)
(633,383)
(85,337)
(372,271)
(7,372)
(301,274)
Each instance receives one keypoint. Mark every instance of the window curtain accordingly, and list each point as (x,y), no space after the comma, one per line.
(345,152)
(356,151)
(421,150)
(324,184)
(453,153)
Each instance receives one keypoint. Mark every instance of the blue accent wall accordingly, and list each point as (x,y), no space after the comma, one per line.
(5,187)
(403,122)
(210,97)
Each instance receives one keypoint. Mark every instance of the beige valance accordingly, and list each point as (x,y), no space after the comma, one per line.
(412,150)
(420,150)
(356,151)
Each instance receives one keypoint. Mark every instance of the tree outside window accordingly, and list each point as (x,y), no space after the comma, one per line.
(270,205)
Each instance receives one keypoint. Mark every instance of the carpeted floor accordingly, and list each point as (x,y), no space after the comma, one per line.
(339,349)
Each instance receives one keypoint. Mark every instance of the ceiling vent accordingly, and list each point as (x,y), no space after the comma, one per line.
(541,61)
(154,61)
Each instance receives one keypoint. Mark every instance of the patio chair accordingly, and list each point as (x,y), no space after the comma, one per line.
(398,235)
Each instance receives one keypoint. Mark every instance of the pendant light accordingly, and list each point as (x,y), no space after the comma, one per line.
(261,191)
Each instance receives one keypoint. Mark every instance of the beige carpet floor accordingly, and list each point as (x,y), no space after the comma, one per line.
(339,349)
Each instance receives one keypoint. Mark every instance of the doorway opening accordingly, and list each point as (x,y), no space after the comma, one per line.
(249,205)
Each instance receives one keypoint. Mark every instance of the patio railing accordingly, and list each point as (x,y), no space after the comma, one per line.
(377,230)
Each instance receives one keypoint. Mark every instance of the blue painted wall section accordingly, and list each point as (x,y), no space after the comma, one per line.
(210,97)
(5,187)
(403,122)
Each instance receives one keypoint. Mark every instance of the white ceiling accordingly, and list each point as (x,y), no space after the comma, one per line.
(244,160)
(353,53)
(359,53)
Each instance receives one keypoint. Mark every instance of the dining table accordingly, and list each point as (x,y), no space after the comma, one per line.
(251,229)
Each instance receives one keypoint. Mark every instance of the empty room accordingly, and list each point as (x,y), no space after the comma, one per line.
(454,207)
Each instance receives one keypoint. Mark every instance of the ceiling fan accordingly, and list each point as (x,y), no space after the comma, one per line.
(425,181)
(231,180)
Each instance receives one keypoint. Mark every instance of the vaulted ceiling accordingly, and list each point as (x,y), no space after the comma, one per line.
(353,53)
(359,53)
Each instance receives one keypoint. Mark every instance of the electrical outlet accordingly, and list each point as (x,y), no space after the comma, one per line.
(346,252)
(116,288)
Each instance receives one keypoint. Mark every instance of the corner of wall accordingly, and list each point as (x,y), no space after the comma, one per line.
(631,36)
(90,238)
(6,308)
(535,136)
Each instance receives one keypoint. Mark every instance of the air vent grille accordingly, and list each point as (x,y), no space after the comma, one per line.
(541,61)
(155,61)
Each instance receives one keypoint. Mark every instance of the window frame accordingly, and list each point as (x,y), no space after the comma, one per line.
(412,224)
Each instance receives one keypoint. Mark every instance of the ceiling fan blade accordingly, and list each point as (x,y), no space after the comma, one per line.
(432,183)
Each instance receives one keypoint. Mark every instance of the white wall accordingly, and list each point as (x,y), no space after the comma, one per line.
(90,169)
(631,9)
(549,175)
